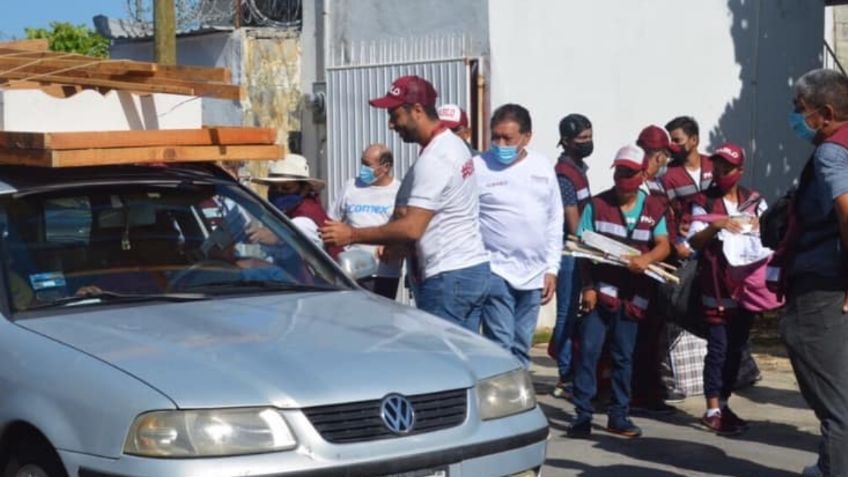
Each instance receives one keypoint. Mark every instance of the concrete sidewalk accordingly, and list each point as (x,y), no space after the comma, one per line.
(782,438)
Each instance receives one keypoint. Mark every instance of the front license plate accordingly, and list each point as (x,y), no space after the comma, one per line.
(423,473)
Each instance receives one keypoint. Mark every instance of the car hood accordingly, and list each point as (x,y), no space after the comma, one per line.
(288,350)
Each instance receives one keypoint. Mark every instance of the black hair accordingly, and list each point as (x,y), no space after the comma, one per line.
(387,158)
(429,111)
(513,112)
(572,125)
(686,123)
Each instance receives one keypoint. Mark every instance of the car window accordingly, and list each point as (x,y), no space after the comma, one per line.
(213,239)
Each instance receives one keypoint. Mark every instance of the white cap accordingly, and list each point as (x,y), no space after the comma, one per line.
(292,168)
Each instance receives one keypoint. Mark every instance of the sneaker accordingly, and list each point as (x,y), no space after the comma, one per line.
(562,390)
(623,426)
(812,471)
(657,408)
(719,425)
(733,419)
(581,428)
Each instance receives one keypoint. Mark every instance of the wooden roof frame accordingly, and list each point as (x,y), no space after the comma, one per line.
(28,63)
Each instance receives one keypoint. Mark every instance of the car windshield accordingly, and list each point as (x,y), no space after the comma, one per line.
(101,244)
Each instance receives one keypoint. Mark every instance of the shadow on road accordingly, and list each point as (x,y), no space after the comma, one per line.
(610,471)
(779,397)
(687,455)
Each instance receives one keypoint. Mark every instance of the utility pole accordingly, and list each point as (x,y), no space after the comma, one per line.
(165,32)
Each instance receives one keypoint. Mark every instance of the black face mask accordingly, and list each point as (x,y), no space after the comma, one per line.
(680,155)
(581,149)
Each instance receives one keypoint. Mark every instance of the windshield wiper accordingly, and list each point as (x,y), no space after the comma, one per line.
(113,297)
(268,285)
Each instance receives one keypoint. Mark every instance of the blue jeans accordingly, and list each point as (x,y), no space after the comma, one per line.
(593,330)
(725,343)
(568,295)
(509,317)
(457,295)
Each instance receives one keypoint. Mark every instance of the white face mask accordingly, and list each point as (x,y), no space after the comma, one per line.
(661,171)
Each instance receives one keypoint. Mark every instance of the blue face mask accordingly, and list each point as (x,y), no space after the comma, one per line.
(798,122)
(285,202)
(367,175)
(505,154)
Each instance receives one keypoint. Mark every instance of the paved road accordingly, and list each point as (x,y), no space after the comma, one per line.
(781,441)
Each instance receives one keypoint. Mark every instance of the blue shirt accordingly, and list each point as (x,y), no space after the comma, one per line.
(819,246)
(631,216)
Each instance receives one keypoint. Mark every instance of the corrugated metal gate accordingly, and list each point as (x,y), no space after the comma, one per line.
(352,124)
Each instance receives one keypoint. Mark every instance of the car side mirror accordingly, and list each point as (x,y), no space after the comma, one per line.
(358,264)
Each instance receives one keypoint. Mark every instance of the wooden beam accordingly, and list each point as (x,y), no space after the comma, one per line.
(192,73)
(162,154)
(48,65)
(200,88)
(101,83)
(26,157)
(41,44)
(121,139)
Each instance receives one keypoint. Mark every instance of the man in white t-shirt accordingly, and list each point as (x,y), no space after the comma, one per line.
(437,208)
(521,219)
(367,201)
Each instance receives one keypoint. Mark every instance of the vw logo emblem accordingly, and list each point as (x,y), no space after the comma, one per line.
(397,414)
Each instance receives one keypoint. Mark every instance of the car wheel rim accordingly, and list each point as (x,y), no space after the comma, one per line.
(31,470)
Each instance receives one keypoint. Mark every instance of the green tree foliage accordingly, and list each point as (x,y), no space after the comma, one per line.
(63,36)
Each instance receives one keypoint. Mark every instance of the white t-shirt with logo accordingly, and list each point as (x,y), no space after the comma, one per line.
(361,205)
(521,218)
(442,181)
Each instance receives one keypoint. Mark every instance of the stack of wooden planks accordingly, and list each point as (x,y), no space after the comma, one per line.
(73,149)
(29,64)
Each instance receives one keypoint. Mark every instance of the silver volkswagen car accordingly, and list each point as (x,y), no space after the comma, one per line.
(167,322)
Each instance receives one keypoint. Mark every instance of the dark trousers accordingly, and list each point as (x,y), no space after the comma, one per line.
(647,382)
(592,330)
(383,286)
(567,296)
(815,331)
(725,343)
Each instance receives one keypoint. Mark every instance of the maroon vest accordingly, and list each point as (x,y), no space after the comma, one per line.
(617,286)
(682,190)
(565,167)
(657,189)
(713,269)
(776,277)
(311,208)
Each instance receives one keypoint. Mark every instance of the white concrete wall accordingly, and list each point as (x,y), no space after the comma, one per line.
(627,64)
(36,111)
(215,49)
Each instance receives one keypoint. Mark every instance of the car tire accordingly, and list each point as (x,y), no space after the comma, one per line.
(33,457)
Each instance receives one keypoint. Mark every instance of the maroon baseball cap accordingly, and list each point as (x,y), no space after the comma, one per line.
(629,157)
(452,116)
(656,138)
(407,90)
(731,153)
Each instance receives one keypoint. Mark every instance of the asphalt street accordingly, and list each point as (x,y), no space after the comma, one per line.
(782,438)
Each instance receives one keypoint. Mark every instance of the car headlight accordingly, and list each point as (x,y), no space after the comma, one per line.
(209,433)
(505,395)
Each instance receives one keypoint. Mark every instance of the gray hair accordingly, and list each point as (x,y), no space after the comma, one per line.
(824,87)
